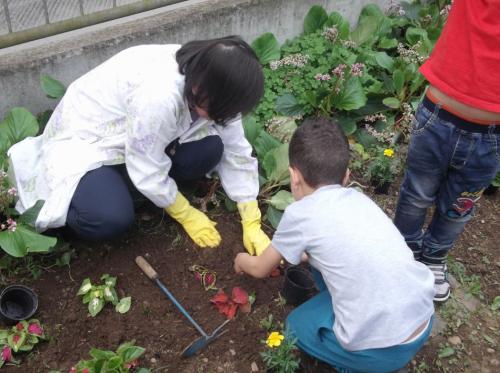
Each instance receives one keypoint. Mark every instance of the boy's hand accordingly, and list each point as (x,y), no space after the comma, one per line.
(238,262)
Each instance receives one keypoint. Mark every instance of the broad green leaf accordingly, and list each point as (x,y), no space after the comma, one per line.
(252,128)
(17,125)
(315,19)
(288,105)
(348,124)
(131,353)
(352,96)
(110,295)
(266,48)
(386,43)
(411,10)
(53,88)
(415,34)
(143,370)
(124,305)
(34,241)
(391,102)
(265,143)
(273,216)
(95,306)
(335,19)
(384,60)
(416,83)
(29,216)
(398,78)
(113,364)
(85,287)
(281,200)
(86,298)
(446,352)
(364,138)
(101,354)
(275,163)
(12,244)
(365,31)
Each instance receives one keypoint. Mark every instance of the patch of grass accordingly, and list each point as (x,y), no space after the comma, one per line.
(471,283)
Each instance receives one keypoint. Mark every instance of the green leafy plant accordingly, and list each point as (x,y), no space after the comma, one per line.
(124,360)
(22,337)
(280,354)
(384,166)
(496,180)
(98,295)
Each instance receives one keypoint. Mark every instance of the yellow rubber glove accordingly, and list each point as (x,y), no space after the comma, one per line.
(197,225)
(254,239)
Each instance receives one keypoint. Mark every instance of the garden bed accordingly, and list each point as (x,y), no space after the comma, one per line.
(158,326)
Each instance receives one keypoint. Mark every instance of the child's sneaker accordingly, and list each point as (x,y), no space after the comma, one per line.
(441,284)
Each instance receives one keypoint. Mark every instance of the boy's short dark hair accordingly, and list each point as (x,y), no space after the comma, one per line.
(226,74)
(320,151)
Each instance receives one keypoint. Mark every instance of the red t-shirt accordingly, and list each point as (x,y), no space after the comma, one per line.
(465,62)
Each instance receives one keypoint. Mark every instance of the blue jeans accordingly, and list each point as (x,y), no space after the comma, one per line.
(102,206)
(448,167)
(312,322)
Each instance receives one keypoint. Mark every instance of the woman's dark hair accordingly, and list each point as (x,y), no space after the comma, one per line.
(320,151)
(223,76)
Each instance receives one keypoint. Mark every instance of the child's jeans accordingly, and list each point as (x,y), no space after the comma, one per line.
(447,166)
(312,322)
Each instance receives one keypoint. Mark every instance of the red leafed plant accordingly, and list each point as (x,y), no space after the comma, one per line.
(229,306)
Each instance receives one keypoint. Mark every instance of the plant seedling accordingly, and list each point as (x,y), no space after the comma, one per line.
(98,295)
(21,337)
(229,306)
(204,275)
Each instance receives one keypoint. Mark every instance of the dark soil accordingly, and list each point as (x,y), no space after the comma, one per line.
(154,323)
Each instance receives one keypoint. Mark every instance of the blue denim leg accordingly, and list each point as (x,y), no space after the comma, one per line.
(448,167)
(312,324)
(193,160)
(426,169)
(101,207)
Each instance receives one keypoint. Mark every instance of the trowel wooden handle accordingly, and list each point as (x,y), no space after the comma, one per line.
(146,268)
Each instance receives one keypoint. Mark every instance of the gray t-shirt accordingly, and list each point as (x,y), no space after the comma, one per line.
(380,294)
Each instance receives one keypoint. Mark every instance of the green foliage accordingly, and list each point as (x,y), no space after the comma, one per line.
(53,88)
(384,166)
(496,180)
(266,47)
(282,358)
(315,19)
(124,360)
(96,296)
(281,200)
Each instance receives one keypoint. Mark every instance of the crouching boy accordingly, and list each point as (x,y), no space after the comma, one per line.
(375,306)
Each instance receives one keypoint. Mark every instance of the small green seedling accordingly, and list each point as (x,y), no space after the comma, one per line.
(98,295)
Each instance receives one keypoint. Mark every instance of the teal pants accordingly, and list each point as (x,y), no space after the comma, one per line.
(312,322)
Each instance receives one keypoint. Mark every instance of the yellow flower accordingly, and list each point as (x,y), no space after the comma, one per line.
(388,153)
(274,339)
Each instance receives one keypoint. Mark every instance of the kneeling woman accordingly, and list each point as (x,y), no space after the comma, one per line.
(162,113)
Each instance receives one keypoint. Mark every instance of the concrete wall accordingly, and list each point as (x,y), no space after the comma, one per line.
(68,56)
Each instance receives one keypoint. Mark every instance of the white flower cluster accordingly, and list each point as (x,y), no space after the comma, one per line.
(410,55)
(375,117)
(349,44)
(357,69)
(297,60)
(331,34)
(395,9)
(322,77)
(384,136)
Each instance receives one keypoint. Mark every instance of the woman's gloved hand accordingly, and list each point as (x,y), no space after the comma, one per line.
(197,225)
(254,239)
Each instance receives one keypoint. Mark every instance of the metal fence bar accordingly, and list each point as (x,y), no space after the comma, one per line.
(46,11)
(7,15)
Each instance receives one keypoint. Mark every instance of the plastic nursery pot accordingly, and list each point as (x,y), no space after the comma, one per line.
(381,188)
(17,302)
(298,285)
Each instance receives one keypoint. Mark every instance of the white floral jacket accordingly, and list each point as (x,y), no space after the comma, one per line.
(126,110)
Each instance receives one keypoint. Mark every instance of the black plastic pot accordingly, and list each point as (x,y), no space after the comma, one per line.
(17,302)
(381,188)
(298,285)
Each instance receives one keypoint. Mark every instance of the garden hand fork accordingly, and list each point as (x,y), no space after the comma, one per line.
(199,343)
